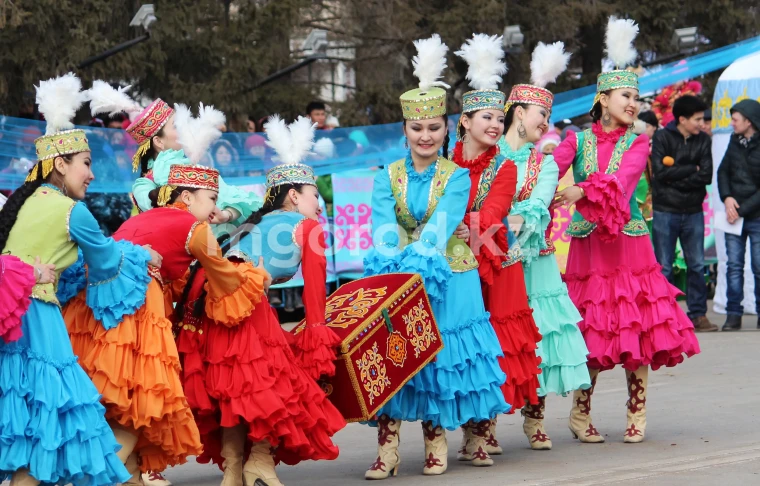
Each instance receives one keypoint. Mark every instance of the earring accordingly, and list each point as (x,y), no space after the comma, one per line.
(406,144)
(521,131)
(606,119)
(65,191)
(466,138)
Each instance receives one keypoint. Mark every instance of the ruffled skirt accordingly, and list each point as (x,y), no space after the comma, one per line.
(562,349)
(51,419)
(16,284)
(247,374)
(464,382)
(135,366)
(512,319)
(629,310)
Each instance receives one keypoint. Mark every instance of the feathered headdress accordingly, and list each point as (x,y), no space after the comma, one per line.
(292,144)
(620,36)
(484,56)
(429,99)
(58,100)
(104,98)
(547,63)
(196,134)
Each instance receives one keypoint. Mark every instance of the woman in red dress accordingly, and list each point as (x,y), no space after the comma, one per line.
(494,181)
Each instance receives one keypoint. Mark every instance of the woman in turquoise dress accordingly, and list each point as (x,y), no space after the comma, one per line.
(426,195)
(562,349)
(52,425)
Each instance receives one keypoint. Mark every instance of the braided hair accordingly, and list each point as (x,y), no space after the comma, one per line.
(150,154)
(274,201)
(10,210)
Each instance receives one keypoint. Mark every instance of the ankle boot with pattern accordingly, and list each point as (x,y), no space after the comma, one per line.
(388,458)
(259,468)
(480,457)
(533,426)
(463,453)
(436,450)
(493,447)
(580,415)
(636,405)
(133,468)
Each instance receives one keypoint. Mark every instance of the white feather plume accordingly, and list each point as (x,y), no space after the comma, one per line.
(547,63)
(291,143)
(485,60)
(104,98)
(58,100)
(324,147)
(430,62)
(197,134)
(619,39)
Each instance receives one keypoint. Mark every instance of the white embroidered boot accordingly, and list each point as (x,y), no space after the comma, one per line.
(436,450)
(580,415)
(388,458)
(233,448)
(480,457)
(533,426)
(259,468)
(463,454)
(492,445)
(637,400)
(133,468)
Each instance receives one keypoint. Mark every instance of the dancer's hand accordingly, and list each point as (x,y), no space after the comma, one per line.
(44,273)
(515,223)
(155,259)
(462,232)
(267,277)
(570,195)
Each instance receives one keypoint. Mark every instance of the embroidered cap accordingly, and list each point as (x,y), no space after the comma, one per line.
(146,125)
(428,100)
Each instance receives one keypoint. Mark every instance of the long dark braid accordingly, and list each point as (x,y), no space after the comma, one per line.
(275,201)
(446,139)
(9,213)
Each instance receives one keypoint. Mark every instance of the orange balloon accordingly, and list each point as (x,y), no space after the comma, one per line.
(668,161)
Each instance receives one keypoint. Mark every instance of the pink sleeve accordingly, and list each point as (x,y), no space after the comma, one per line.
(16,284)
(607,201)
(565,152)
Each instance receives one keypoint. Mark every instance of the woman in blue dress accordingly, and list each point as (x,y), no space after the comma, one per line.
(426,195)
(52,425)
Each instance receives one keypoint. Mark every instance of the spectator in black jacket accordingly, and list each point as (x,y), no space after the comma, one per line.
(739,188)
(682,167)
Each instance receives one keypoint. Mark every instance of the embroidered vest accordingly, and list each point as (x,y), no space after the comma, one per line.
(458,254)
(532,169)
(274,238)
(585,164)
(42,229)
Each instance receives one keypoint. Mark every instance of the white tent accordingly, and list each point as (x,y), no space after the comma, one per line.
(739,81)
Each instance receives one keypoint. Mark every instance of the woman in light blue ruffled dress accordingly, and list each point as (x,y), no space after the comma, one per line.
(417,204)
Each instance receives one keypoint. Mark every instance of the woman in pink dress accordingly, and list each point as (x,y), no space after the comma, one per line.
(629,310)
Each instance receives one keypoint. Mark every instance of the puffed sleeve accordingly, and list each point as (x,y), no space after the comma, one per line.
(72,280)
(243,202)
(141,192)
(117,271)
(426,255)
(17,280)
(564,154)
(607,201)
(233,290)
(383,257)
(488,233)
(535,211)
(314,347)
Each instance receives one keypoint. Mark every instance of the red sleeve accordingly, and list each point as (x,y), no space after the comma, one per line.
(488,238)
(310,236)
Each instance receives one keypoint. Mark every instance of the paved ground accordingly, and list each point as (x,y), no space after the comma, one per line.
(703,429)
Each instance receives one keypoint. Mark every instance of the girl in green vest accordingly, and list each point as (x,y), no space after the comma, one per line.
(53,428)
(629,310)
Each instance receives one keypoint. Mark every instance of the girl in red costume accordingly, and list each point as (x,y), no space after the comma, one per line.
(250,392)
(494,181)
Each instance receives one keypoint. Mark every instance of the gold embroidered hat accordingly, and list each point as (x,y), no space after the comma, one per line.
(485,67)
(292,144)
(547,63)
(620,36)
(429,99)
(193,176)
(58,100)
